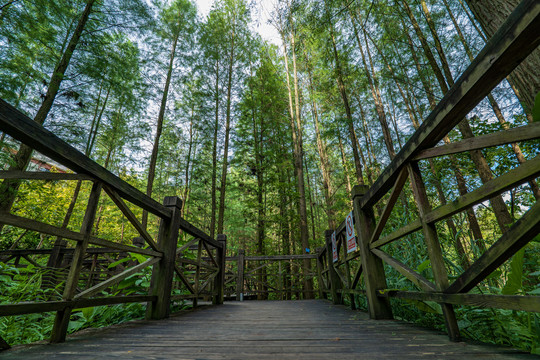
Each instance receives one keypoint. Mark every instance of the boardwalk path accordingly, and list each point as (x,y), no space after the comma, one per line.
(265,330)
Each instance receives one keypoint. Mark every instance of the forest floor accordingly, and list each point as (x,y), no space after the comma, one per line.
(307,329)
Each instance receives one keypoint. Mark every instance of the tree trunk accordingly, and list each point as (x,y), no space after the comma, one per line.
(499,207)
(9,188)
(159,126)
(491,14)
(375,92)
(225,165)
(494,105)
(296,130)
(323,157)
(343,92)
(214,156)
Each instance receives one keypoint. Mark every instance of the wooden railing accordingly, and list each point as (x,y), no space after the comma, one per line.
(276,277)
(175,274)
(517,38)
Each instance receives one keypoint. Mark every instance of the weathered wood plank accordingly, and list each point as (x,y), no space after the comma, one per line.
(433,245)
(198,233)
(183,278)
(22,128)
(33,225)
(131,217)
(279,257)
(406,271)
(514,41)
(523,173)
(510,302)
(61,321)
(522,133)
(266,330)
(394,195)
(372,266)
(42,175)
(398,234)
(115,279)
(49,306)
(519,234)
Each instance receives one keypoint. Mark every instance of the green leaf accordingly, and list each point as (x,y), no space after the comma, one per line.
(424,265)
(514,281)
(140,258)
(88,313)
(121,261)
(536,109)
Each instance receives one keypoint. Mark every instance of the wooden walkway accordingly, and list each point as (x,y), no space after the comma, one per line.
(311,329)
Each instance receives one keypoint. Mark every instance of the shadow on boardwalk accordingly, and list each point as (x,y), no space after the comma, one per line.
(311,329)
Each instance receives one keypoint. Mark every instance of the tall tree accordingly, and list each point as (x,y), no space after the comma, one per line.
(177,19)
(9,188)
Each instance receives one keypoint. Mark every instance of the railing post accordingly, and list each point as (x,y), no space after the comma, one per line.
(434,248)
(374,277)
(61,321)
(320,266)
(219,281)
(163,271)
(335,281)
(240,279)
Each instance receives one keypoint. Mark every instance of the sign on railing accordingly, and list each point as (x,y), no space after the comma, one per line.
(351,237)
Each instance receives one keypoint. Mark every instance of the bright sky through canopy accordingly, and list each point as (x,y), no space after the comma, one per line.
(260,14)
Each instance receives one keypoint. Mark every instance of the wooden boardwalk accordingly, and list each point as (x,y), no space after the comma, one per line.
(310,329)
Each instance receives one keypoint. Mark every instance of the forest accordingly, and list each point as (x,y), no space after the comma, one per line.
(264,141)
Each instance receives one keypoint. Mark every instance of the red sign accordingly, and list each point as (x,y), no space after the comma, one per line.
(349,229)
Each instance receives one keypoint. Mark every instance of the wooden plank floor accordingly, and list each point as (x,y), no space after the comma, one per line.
(310,329)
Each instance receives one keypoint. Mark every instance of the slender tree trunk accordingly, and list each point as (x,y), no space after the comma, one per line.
(214,155)
(344,164)
(375,92)
(491,14)
(188,163)
(9,188)
(350,123)
(499,207)
(494,105)
(296,130)
(225,165)
(323,157)
(159,126)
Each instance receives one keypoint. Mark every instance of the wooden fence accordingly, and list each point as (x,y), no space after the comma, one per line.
(276,277)
(517,38)
(175,273)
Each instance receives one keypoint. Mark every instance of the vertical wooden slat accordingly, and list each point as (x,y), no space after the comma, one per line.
(374,277)
(163,271)
(240,281)
(61,321)
(219,280)
(320,280)
(434,248)
(335,281)
(196,285)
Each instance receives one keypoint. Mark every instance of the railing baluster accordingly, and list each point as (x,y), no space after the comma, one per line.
(163,271)
(374,277)
(61,321)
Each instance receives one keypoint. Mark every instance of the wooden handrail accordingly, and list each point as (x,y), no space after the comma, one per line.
(22,128)
(516,39)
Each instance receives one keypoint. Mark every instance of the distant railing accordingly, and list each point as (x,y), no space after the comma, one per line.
(517,38)
(175,275)
(276,277)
